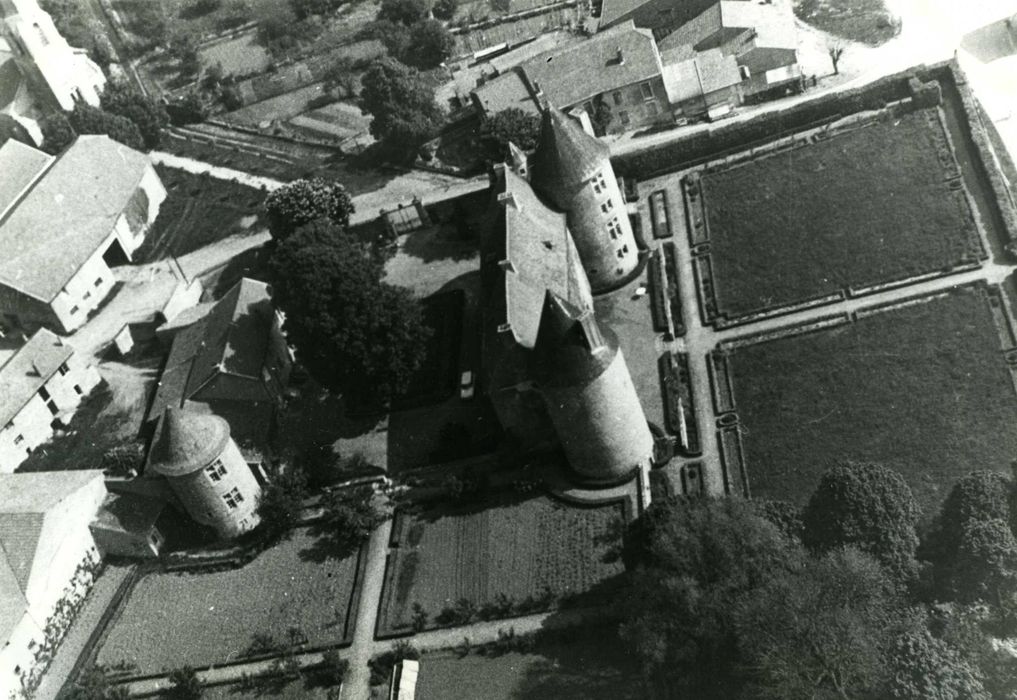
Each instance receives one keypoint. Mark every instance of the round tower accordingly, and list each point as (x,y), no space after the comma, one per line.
(573,169)
(206,471)
(586,386)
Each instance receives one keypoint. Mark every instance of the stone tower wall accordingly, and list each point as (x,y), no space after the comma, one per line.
(203,497)
(601,425)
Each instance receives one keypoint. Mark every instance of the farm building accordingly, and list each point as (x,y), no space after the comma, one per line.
(206,471)
(233,359)
(47,563)
(538,308)
(701,84)
(128,525)
(39,70)
(64,221)
(615,77)
(40,385)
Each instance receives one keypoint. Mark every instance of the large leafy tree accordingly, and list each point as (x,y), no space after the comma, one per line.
(86,119)
(57,132)
(402,105)
(985,566)
(147,113)
(869,507)
(355,334)
(281,502)
(431,44)
(184,685)
(403,11)
(303,201)
(510,125)
(305,8)
(921,666)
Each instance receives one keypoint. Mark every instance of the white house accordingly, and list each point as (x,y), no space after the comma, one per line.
(48,561)
(64,221)
(41,384)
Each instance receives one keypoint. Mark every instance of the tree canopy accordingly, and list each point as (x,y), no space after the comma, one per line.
(922,666)
(57,132)
(303,201)
(147,113)
(430,45)
(305,8)
(869,507)
(509,125)
(355,334)
(86,119)
(403,11)
(402,105)
(281,501)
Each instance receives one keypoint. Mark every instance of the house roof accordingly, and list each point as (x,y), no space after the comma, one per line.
(700,75)
(232,338)
(771,23)
(186,442)
(27,498)
(539,255)
(21,165)
(506,91)
(613,10)
(610,60)
(67,215)
(28,370)
(566,156)
(130,512)
(571,347)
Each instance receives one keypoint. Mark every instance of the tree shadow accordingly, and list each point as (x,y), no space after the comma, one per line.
(328,545)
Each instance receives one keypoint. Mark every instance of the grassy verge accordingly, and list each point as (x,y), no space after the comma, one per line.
(865,21)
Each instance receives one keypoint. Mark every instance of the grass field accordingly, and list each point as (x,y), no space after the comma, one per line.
(199,210)
(860,208)
(865,21)
(173,619)
(922,389)
(516,549)
(592,667)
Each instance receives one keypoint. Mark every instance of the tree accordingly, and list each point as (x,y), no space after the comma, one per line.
(57,132)
(351,515)
(402,105)
(445,9)
(95,684)
(985,567)
(303,201)
(869,507)
(786,516)
(281,502)
(431,44)
(305,8)
(148,114)
(509,125)
(184,685)
(921,666)
(821,630)
(835,49)
(354,334)
(406,12)
(396,37)
(690,563)
(86,119)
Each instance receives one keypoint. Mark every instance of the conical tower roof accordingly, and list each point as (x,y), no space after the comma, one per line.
(566,156)
(571,347)
(187,442)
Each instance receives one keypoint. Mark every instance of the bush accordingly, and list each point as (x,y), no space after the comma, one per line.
(406,12)
(199,8)
(381,666)
(444,9)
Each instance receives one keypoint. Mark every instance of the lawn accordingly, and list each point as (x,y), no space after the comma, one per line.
(591,667)
(173,619)
(513,548)
(867,206)
(199,210)
(865,21)
(922,389)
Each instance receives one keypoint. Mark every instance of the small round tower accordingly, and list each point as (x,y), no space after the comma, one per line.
(573,169)
(206,471)
(589,394)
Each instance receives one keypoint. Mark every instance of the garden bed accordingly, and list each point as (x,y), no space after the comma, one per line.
(495,560)
(921,388)
(199,619)
(868,206)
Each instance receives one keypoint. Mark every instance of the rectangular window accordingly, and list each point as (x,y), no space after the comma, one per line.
(624,117)
(233,498)
(616,95)
(647,90)
(216,470)
(43,394)
(63,369)
(653,108)
(607,206)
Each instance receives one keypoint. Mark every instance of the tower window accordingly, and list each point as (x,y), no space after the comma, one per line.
(63,369)
(607,206)
(599,183)
(233,498)
(617,97)
(216,470)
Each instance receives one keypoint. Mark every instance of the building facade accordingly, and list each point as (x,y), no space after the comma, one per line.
(206,471)
(64,222)
(41,385)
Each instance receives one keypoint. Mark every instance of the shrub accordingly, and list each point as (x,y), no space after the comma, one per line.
(381,666)
(444,9)
(403,11)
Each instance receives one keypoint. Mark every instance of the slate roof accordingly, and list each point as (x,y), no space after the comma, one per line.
(27,498)
(571,347)
(540,255)
(566,156)
(232,338)
(509,90)
(67,215)
(186,442)
(613,9)
(20,166)
(572,75)
(700,75)
(773,24)
(130,512)
(28,370)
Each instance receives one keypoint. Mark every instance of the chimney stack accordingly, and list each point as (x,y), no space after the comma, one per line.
(621,57)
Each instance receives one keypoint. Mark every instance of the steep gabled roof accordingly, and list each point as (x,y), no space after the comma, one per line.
(566,156)
(571,347)
(699,75)
(186,442)
(20,166)
(28,370)
(771,25)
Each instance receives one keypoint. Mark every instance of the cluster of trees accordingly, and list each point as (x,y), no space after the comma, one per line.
(841,599)
(124,114)
(509,125)
(411,35)
(356,335)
